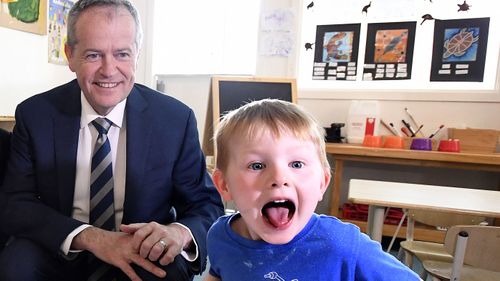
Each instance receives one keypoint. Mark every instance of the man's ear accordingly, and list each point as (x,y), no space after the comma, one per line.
(69,55)
(324,184)
(221,185)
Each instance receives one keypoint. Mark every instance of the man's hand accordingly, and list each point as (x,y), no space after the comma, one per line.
(158,242)
(114,248)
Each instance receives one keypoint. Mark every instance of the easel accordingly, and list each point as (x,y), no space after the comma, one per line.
(230,92)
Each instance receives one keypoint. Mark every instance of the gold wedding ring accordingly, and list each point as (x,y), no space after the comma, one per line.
(163,244)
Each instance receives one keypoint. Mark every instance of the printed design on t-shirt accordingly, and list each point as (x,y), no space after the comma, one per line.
(275,276)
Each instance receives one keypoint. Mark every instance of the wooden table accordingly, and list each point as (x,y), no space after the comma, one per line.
(381,194)
(349,152)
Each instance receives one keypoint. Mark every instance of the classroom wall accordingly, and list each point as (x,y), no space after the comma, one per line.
(24,71)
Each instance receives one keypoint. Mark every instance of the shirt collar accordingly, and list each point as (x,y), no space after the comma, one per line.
(89,114)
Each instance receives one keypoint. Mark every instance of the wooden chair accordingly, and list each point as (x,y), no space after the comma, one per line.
(423,250)
(476,255)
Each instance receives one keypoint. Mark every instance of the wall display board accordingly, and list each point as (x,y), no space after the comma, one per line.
(231,92)
(336,52)
(459,49)
(400,45)
(389,51)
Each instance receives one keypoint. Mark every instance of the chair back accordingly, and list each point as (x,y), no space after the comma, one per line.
(483,245)
(4,156)
(4,152)
(442,219)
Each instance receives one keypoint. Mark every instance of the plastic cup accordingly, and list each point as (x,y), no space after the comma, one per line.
(449,145)
(372,141)
(421,144)
(394,142)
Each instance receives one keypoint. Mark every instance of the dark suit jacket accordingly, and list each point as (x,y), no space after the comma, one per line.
(165,167)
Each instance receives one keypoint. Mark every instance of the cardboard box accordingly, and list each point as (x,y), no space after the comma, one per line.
(475,140)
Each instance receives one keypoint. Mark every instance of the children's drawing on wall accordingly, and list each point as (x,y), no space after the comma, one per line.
(58,15)
(336,52)
(391,45)
(459,50)
(277,37)
(24,15)
(404,44)
(389,51)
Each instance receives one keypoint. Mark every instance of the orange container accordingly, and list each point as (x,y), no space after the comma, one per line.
(394,142)
(372,141)
(449,145)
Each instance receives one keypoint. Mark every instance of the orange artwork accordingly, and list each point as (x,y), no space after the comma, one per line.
(391,46)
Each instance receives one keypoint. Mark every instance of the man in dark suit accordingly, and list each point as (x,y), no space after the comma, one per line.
(151,164)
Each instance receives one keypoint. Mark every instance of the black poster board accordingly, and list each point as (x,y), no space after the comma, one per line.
(459,51)
(389,51)
(230,92)
(336,52)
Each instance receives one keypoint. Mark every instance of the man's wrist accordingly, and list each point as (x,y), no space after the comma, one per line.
(66,246)
(190,247)
(86,239)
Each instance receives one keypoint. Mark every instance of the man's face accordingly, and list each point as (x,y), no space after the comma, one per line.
(105,56)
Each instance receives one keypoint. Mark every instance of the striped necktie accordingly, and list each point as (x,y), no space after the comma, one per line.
(102,212)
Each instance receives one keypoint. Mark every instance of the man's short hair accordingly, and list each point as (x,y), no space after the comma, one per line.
(82,5)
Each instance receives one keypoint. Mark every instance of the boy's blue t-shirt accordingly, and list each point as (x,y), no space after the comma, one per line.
(326,249)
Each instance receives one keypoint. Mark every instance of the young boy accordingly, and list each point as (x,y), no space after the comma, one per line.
(271,162)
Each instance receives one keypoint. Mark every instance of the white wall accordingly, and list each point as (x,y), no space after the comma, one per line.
(24,71)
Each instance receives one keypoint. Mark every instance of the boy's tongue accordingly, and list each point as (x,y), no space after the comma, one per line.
(277,216)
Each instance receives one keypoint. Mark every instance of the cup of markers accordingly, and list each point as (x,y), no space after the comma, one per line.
(394,142)
(421,144)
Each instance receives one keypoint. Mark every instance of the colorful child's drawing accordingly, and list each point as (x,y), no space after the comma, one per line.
(391,46)
(58,15)
(460,44)
(337,46)
(25,15)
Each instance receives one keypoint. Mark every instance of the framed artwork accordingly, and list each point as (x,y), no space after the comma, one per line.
(459,49)
(24,15)
(336,52)
(389,51)
(58,15)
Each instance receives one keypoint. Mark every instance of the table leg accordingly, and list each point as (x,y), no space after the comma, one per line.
(375,222)
(336,188)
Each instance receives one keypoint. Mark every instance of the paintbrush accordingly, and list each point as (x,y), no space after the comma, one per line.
(413,120)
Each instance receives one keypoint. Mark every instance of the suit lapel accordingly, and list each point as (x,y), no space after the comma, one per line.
(66,129)
(139,130)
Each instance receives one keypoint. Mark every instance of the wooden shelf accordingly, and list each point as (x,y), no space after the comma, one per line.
(342,153)
(421,232)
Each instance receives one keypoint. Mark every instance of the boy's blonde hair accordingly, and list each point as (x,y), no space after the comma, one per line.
(277,116)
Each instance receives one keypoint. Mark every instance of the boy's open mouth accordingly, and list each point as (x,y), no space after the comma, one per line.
(278,212)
